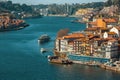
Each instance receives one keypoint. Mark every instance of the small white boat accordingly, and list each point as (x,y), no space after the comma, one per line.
(43,50)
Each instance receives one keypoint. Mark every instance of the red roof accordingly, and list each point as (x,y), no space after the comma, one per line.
(110,20)
(74,35)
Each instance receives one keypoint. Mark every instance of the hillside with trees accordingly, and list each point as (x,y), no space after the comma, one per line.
(112,2)
(68,8)
(17,9)
(23,10)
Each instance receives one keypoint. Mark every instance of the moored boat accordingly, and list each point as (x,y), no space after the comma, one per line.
(44,38)
(56,59)
(43,50)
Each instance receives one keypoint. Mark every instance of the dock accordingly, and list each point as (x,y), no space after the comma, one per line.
(56,59)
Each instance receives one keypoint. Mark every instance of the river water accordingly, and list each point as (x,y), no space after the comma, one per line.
(21,59)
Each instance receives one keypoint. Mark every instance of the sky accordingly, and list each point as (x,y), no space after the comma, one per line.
(53,1)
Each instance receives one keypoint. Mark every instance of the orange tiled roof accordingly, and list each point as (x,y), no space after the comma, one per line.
(97,39)
(111,33)
(91,29)
(109,38)
(103,28)
(89,34)
(93,23)
(74,35)
(110,20)
(81,39)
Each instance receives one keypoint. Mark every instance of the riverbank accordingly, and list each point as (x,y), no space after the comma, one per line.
(114,68)
(15,27)
(59,15)
(111,66)
(8,23)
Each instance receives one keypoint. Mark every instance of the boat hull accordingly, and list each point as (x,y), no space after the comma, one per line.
(44,38)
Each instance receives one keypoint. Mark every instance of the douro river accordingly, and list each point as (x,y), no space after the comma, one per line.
(21,59)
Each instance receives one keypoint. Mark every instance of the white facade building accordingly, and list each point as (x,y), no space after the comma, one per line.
(111,49)
(116,31)
(63,45)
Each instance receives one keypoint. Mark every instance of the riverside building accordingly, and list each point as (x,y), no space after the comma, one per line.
(98,43)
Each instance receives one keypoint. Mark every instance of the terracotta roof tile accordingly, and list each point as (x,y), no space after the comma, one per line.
(93,23)
(110,20)
(74,35)
(109,38)
(97,39)
(111,33)
(91,29)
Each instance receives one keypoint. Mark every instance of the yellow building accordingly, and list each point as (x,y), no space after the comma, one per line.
(101,23)
(81,12)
